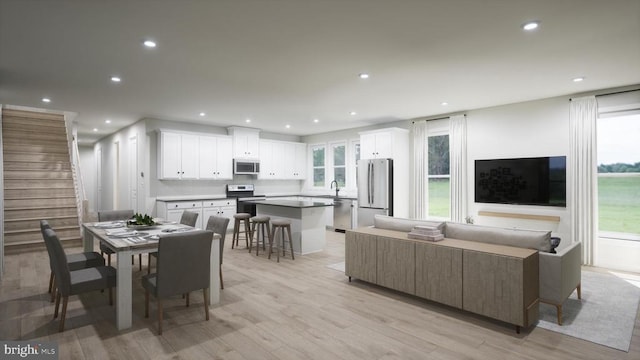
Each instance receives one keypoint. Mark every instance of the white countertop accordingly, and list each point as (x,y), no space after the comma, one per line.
(191,197)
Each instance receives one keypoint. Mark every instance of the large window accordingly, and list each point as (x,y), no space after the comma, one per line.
(439,177)
(318,152)
(619,177)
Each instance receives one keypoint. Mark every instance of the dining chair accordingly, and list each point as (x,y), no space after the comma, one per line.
(184,262)
(75,261)
(116,215)
(218,225)
(188,218)
(78,281)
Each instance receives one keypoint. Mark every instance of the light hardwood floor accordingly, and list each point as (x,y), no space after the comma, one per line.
(295,309)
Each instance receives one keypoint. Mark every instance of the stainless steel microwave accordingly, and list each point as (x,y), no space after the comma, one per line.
(246,167)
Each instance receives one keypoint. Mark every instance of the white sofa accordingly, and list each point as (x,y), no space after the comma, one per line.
(559,273)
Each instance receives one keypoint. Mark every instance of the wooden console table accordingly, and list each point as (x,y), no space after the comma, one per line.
(500,282)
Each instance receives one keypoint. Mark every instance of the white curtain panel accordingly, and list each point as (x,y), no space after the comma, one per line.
(419,182)
(458,167)
(583,177)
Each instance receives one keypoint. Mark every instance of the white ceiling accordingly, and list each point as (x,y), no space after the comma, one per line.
(284,62)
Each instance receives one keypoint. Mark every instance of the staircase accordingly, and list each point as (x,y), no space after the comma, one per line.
(38,180)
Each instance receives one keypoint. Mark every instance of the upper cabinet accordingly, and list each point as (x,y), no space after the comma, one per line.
(215,157)
(178,156)
(246,142)
(282,160)
(383,143)
(184,156)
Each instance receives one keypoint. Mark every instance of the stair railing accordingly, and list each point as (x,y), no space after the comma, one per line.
(76,174)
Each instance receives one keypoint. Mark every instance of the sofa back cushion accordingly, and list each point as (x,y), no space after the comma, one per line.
(530,239)
(402,224)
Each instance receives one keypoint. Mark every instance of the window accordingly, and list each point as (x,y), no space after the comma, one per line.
(439,176)
(619,177)
(354,156)
(318,165)
(339,164)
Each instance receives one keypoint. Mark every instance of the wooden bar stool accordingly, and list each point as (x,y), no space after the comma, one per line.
(259,226)
(280,224)
(241,218)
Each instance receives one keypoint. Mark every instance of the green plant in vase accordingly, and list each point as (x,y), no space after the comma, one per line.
(141,220)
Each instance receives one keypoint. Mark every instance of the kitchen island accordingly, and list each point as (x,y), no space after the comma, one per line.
(308,220)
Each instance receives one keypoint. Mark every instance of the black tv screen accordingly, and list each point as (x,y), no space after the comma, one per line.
(522,181)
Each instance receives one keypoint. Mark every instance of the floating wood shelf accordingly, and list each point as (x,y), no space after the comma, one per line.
(520,216)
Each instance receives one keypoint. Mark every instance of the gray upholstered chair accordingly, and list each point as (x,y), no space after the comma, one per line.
(183,266)
(77,281)
(115,215)
(188,218)
(218,225)
(75,261)
(560,275)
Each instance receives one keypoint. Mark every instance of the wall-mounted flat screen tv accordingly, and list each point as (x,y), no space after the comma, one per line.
(522,181)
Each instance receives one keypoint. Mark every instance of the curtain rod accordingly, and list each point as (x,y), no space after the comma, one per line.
(440,118)
(614,93)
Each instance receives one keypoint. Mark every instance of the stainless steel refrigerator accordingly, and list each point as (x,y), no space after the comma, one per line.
(375,189)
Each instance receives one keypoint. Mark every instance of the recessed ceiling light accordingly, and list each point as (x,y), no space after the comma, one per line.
(532,25)
(316,120)
(353,113)
(287,126)
(116,79)
(363,76)
(150,43)
(248,121)
(47,100)
(578,79)
(444,103)
(107,121)
(95,129)
(202,114)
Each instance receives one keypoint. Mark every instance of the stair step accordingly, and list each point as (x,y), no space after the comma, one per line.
(22,124)
(33,203)
(28,147)
(38,183)
(37,157)
(35,245)
(36,166)
(32,193)
(27,235)
(41,213)
(37,174)
(33,131)
(56,223)
(25,115)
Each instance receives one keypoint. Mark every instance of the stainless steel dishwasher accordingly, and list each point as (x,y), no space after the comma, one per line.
(342,214)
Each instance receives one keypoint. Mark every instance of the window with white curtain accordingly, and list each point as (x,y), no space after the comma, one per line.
(438,174)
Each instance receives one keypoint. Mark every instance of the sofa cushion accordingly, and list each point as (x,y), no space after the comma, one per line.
(402,224)
(530,239)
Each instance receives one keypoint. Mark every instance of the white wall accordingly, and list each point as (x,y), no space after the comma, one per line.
(88,172)
(529,129)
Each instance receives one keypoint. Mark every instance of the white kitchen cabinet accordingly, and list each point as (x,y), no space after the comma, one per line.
(376,145)
(172,210)
(216,161)
(246,142)
(224,208)
(178,156)
(272,160)
(282,160)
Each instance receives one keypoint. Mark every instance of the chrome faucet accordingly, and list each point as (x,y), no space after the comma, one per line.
(337,189)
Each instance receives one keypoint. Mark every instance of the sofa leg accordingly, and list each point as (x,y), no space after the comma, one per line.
(579,289)
(559,310)
(349,278)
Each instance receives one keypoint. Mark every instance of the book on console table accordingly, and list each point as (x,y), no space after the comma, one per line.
(418,236)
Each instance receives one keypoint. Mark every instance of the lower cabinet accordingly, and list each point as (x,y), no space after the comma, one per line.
(396,264)
(439,274)
(223,208)
(360,256)
(172,210)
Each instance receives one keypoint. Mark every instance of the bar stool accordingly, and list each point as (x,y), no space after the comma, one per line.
(280,224)
(261,224)
(241,218)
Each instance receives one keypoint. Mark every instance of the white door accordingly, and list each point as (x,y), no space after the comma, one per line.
(116,174)
(99,179)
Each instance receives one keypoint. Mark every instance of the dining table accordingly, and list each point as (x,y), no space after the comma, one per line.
(126,241)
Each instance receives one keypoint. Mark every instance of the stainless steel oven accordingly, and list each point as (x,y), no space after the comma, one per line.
(242,193)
